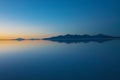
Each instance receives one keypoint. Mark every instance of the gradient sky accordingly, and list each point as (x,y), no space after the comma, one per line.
(43,18)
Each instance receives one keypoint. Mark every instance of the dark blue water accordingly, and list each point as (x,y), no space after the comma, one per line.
(45,60)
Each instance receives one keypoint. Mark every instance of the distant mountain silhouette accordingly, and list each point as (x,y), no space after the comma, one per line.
(34,39)
(81,38)
(20,39)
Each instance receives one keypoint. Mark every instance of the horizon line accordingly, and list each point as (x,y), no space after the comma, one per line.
(20,38)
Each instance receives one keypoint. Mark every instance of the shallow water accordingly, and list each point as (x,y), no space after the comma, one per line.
(46,60)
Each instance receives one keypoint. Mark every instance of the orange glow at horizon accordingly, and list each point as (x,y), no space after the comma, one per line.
(11,29)
(22,36)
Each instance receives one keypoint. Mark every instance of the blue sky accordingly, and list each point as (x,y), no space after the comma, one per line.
(53,17)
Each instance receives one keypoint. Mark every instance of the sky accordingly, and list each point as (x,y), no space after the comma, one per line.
(44,18)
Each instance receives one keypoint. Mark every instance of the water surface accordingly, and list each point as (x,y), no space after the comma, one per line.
(46,60)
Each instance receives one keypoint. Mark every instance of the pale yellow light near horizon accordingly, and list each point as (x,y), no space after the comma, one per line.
(12,29)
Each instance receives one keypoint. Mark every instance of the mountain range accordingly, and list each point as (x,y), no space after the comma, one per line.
(79,37)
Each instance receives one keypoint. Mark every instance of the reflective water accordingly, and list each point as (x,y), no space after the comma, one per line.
(46,60)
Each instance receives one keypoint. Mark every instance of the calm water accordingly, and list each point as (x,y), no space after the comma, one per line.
(45,60)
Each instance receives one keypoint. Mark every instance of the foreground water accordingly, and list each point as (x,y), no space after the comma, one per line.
(45,60)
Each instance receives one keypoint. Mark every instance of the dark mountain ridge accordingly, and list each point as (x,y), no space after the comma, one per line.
(77,37)
(100,38)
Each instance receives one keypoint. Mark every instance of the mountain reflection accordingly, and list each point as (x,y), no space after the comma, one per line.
(83,40)
(69,38)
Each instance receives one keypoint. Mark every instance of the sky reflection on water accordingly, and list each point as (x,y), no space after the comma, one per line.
(45,60)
